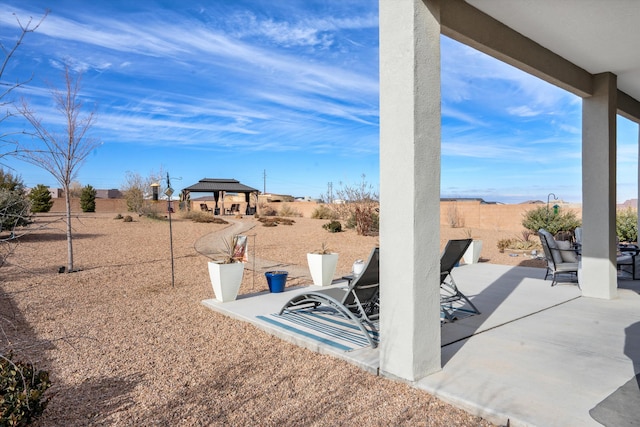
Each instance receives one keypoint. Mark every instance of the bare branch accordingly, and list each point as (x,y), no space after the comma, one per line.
(62,154)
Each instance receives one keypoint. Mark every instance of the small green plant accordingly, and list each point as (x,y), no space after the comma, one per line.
(22,390)
(88,199)
(550,219)
(333,226)
(40,199)
(627,225)
(127,218)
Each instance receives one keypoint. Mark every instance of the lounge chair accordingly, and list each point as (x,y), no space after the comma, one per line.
(359,302)
(452,300)
(234,209)
(560,260)
(205,208)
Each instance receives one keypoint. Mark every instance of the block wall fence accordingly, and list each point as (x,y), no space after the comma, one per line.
(466,214)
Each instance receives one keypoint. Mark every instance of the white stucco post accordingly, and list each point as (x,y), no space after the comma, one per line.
(409,188)
(599,277)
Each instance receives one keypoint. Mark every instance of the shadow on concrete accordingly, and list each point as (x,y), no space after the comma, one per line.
(621,407)
(491,298)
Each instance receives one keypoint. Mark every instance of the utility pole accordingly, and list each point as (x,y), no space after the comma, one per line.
(264,185)
(330,192)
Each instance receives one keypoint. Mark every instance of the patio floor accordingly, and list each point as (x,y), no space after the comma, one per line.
(536,356)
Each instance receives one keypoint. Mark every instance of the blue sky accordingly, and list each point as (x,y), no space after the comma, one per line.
(234,89)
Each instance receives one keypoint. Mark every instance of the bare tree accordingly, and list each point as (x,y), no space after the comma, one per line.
(137,190)
(7,87)
(62,154)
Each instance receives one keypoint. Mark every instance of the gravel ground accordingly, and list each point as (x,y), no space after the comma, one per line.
(124,347)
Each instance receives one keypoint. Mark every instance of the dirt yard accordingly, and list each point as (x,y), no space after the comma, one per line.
(124,347)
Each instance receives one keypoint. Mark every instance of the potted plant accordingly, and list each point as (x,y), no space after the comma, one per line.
(472,254)
(227,269)
(322,265)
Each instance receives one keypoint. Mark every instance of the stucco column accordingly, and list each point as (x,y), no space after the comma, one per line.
(599,277)
(409,188)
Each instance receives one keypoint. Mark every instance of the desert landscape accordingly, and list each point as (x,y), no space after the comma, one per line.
(125,347)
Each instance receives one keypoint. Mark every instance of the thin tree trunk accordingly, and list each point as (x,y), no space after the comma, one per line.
(69,236)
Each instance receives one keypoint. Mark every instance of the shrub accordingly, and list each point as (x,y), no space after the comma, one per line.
(10,182)
(88,199)
(127,219)
(14,210)
(119,216)
(272,222)
(552,221)
(203,217)
(517,244)
(360,205)
(627,225)
(323,212)
(503,244)
(453,217)
(135,199)
(40,199)
(333,226)
(287,210)
(373,223)
(22,389)
(267,210)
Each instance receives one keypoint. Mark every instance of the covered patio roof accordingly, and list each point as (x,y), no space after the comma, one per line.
(210,185)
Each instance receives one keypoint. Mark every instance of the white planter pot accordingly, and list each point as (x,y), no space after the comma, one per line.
(472,255)
(226,279)
(322,268)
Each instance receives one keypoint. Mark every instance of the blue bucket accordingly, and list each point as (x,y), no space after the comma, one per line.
(276,280)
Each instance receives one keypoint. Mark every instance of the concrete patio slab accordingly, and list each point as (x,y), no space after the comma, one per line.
(536,356)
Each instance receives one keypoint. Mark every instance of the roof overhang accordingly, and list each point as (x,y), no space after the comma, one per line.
(210,185)
(564,43)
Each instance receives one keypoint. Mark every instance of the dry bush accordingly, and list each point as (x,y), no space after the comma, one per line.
(453,216)
(361,204)
(287,210)
(267,210)
(272,222)
(323,212)
(517,244)
(203,217)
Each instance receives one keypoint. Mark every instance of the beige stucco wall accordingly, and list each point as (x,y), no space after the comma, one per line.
(470,214)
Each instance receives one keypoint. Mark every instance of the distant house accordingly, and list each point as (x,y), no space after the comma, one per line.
(114,193)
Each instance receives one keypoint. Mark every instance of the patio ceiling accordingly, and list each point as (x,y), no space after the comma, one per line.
(596,36)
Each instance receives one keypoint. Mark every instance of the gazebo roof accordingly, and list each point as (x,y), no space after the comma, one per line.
(208,185)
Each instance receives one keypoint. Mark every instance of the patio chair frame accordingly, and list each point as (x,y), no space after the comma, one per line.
(555,268)
(449,292)
(359,302)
